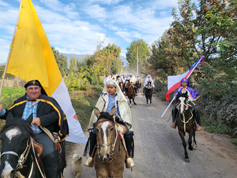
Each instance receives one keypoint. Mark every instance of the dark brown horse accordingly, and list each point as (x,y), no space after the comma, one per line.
(138,84)
(148,93)
(185,122)
(110,153)
(130,93)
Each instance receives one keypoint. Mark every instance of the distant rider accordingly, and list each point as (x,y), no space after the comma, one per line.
(148,79)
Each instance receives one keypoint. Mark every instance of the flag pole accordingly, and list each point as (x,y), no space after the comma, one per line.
(10,50)
(174,96)
(168,106)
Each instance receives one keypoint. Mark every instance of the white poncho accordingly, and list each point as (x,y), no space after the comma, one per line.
(120,103)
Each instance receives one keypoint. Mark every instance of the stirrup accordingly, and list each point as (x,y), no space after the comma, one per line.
(129,163)
(173,125)
(198,127)
(89,162)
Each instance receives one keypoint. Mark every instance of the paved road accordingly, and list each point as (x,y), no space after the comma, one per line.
(159,152)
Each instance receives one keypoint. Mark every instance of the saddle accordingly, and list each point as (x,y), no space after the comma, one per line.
(122,129)
(38,148)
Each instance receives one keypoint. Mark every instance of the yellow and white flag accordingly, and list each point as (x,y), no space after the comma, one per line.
(121,71)
(31,58)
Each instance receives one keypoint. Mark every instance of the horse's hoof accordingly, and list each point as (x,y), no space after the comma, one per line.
(186,160)
(194,146)
(190,148)
(135,103)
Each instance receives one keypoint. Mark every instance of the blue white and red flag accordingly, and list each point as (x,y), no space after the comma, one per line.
(174,82)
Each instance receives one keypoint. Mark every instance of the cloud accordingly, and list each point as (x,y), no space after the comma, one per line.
(141,20)
(4,48)
(56,5)
(8,19)
(3,4)
(164,4)
(105,1)
(95,11)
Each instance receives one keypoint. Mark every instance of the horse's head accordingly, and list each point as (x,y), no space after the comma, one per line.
(182,99)
(106,134)
(15,137)
(127,83)
(148,85)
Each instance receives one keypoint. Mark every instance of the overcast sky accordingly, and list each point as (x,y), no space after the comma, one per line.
(76,26)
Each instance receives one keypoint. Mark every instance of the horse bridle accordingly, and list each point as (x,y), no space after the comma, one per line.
(24,155)
(115,140)
(186,108)
(22,158)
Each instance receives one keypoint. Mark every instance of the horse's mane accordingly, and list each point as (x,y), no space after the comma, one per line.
(181,95)
(105,115)
(22,124)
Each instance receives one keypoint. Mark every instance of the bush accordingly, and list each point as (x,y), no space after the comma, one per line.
(76,82)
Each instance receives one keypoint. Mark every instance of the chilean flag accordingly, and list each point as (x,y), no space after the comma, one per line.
(174,81)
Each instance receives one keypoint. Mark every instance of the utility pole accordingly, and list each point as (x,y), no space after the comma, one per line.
(137,60)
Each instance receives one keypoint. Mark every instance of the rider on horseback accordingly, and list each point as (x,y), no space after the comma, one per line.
(133,82)
(137,78)
(110,97)
(46,113)
(148,79)
(193,96)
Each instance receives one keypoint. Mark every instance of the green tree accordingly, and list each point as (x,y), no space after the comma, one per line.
(73,64)
(61,61)
(143,53)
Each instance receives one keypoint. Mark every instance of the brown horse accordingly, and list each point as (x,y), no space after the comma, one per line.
(110,153)
(185,122)
(130,92)
(121,85)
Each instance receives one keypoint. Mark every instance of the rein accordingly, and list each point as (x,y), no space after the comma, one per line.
(185,122)
(111,157)
(23,157)
(115,140)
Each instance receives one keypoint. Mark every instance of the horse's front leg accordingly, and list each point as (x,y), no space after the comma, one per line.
(134,102)
(130,103)
(190,147)
(181,134)
(194,140)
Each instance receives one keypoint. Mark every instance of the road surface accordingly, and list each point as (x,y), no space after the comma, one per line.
(159,152)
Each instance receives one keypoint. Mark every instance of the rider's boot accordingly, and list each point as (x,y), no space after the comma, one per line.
(89,162)
(130,148)
(144,90)
(174,112)
(197,118)
(51,164)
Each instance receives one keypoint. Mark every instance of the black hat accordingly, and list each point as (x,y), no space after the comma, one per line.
(36,83)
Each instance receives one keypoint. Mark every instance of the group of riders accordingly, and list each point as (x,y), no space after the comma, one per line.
(47,113)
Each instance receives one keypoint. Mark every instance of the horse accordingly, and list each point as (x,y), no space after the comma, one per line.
(110,153)
(185,122)
(148,93)
(138,84)
(130,92)
(121,85)
(18,154)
